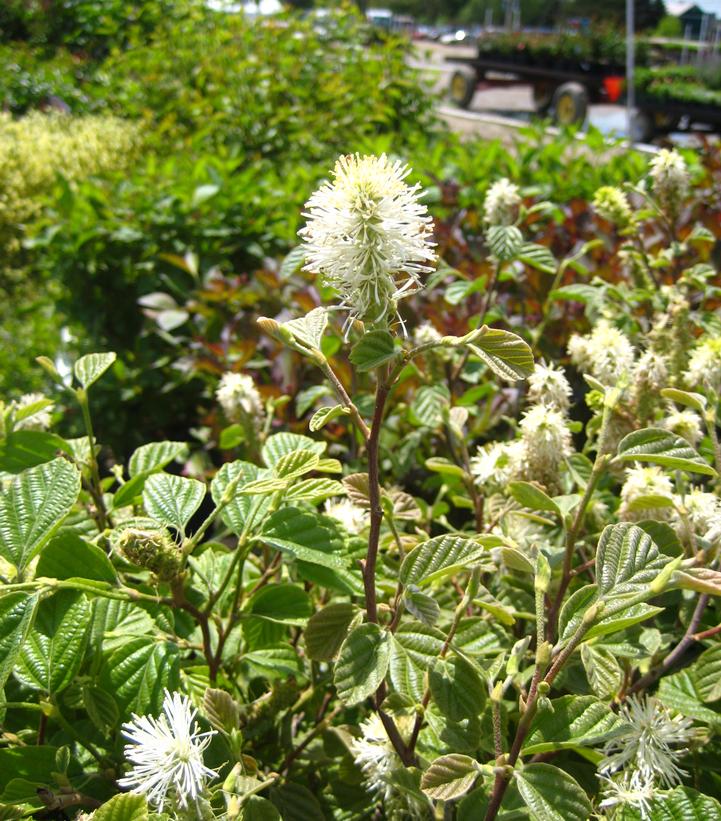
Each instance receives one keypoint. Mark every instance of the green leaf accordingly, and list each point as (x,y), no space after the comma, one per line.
(678,692)
(505,241)
(449,777)
(259,809)
(28,762)
(304,536)
(295,464)
(696,401)
(155,456)
(172,500)
(17,612)
(68,556)
(314,490)
(281,603)
(236,512)
(443,556)
(101,708)
(279,661)
(576,721)
(33,506)
(661,447)
(123,807)
(603,671)
(422,606)
(296,803)
(138,672)
(428,405)
(539,257)
(326,414)
(231,437)
(506,354)
(26,448)
(90,368)
(53,650)
(457,689)
(292,262)
(280,444)
(310,328)
(362,663)
(327,629)
(627,560)
(531,496)
(552,794)
(372,350)
(706,673)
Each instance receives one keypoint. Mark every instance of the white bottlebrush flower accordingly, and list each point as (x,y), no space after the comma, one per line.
(501,203)
(425,334)
(498,463)
(703,510)
(548,385)
(645,481)
(651,744)
(651,371)
(704,366)
(612,204)
(352,517)
(167,755)
(239,398)
(627,789)
(686,424)
(547,440)
(375,755)
(368,236)
(40,420)
(669,177)
(605,353)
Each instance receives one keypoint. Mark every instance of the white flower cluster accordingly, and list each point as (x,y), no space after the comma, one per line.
(40,420)
(366,229)
(606,353)
(645,481)
(167,755)
(704,367)
(547,442)
(425,334)
(669,177)
(352,517)
(686,424)
(645,754)
(239,398)
(501,203)
(496,464)
(548,386)
(704,514)
(612,204)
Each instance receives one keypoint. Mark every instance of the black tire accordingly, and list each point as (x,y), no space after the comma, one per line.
(462,88)
(542,98)
(643,129)
(570,104)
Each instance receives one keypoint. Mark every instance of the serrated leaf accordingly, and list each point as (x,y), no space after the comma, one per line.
(304,536)
(33,506)
(661,447)
(449,777)
(680,804)
(429,404)
(699,579)
(295,464)
(259,809)
(236,512)
(23,449)
(576,721)
(88,369)
(67,555)
(314,490)
(531,496)
(373,349)
(327,629)
(123,807)
(310,328)
(139,671)
(171,499)
(603,671)
(101,708)
(325,415)
(506,354)
(505,241)
(627,560)
(282,603)
(456,688)
(422,606)
(296,803)
(678,692)
(155,456)
(53,650)
(221,710)
(292,262)
(696,401)
(281,444)
(362,663)
(539,257)
(17,612)
(421,642)
(552,794)
(357,488)
(279,661)
(706,674)
(442,556)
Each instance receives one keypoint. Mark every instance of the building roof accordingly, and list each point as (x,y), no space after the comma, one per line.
(678,7)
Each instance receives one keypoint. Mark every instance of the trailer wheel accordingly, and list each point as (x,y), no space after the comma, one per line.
(462,88)
(570,104)
(542,97)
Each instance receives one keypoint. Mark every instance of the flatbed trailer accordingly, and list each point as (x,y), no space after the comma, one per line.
(565,90)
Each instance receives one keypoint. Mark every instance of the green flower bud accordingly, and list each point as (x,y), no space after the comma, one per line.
(153,549)
(611,204)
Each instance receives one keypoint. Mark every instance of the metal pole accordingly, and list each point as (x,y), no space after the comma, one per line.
(630,61)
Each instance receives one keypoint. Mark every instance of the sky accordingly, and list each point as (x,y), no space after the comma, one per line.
(709,5)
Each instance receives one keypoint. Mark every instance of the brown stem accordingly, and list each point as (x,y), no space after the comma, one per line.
(688,639)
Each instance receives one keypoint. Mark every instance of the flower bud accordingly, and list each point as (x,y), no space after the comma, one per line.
(152,549)
(611,204)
